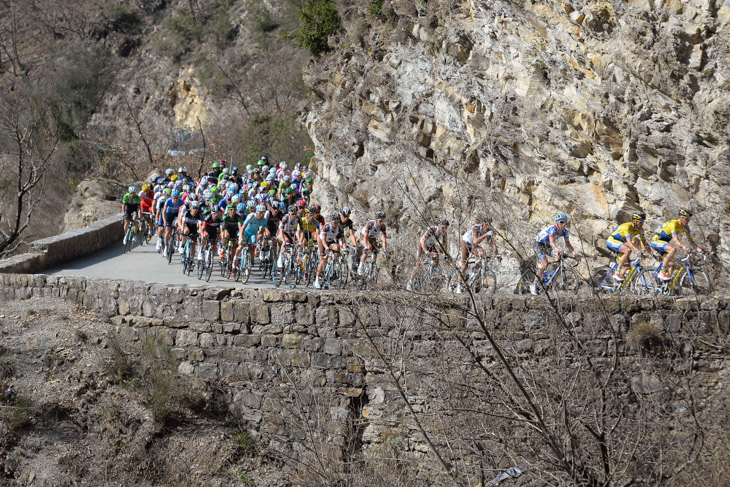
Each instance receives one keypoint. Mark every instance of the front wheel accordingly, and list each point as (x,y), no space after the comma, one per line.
(487,284)
(436,280)
(526,280)
(565,280)
(699,283)
(643,284)
(245,266)
(201,267)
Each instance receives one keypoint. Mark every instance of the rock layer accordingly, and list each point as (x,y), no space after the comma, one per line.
(524,109)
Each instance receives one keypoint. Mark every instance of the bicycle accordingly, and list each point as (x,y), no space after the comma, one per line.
(369,279)
(186,258)
(333,274)
(603,278)
(132,234)
(205,265)
(480,279)
(226,262)
(428,278)
(307,262)
(265,249)
(172,243)
(560,278)
(245,264)
(286,272)
(686,277)
(147,226)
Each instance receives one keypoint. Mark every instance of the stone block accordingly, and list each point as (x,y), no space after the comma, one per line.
(208,340)
(333,346)
(260,314)
(196,355)
(355,366)
(347,318)
(247,398)
(123,307)
(291,341)
(273,296)
(291,358)
(200,326)
(212,310)
(246,340)
(186,338)
(320,360)
(326,315)
(240,312)
(227,311)
(282,313)
(312,344)
(304,314)
(207,370)
(723,320)
(269,341)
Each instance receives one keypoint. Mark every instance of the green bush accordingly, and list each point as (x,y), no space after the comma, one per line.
(319,20)
(376,9)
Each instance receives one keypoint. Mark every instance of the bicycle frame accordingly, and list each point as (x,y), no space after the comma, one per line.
(634,270)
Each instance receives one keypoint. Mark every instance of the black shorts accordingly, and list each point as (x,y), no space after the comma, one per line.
(169,218)
(542,250)
(192,230)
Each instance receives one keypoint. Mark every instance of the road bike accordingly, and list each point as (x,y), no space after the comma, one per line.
(369,278)
(603,279)
(689,277)
(286,272)
(428,277)
(132,234)
(306,264)
(186,257)
(205,262)
(226,262)
(245,264)
(558,278)
(480,279)
(265,249)
(172,242)
(334,273)
(147,226)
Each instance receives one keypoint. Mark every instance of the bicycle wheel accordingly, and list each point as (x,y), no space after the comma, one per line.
(487,283)
(184,259)
(565,280)
(310,270)
(170,248)
(340,274)
(643,284)
(371,277)
(277,273)
(209,264)
(436,280)
(526,280)
(189,261)
(453,281)
(245,266)
(127,247)
(699,283)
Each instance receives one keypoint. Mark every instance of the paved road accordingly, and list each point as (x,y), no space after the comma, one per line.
(145,264)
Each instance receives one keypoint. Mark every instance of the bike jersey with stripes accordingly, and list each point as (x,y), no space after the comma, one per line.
(172,207)
(210,225)
(670,228)
(476,232)
(544,236)
(625,231)
(231,223)
(372,230)
(132,201)
(192,220)
(433,235)
(253,224)
(330,234)
(288,224)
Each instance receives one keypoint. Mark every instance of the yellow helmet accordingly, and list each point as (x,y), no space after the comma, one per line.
(265,184)
(173,177)
(145,187)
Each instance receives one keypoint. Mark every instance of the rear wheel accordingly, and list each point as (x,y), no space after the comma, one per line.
(565,280)
(209,264)
(245,266)
(488,282)
(128,240)
(201,267)
(643,284)
(436,280)
(526,280)
(453,281)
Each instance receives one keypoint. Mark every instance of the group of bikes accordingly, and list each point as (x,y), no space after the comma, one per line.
(301,261)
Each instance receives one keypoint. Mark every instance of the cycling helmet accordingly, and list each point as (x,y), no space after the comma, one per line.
(289,190)
(292,208)
(250,203)
(204,183)
(207,194)
(260,162)
(231,207)
(260,208)
(282,165)
(345,211)
(334,217)
(640,216)
(257,171)
(186,188)
(169,171)
(443,222)
(271,177)
(264,158)
(214,189)
(685,212)
(222,161)
(170,185)
(311,210)
(282,206)
(193,197)
(178,184)
(215,211)
(241,207)
(265,184)
(235,199)
(272,170)
(175,194)
(486,219)
(287,178)
(167,191)
(216,165)
(272,192)
(308,180)
(194,205)
(182,169)
(132,189)
(157,188)
(318,208)
(296,174)
(145,187)
(265,168)
(160,180)
(234,170)
(301,204)
(298,165)
(561,217)
(173,177)
(379,215)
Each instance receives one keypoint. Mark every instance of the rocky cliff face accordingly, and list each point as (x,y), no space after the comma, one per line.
(523,109)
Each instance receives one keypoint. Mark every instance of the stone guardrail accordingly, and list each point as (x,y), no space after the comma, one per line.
(68,246)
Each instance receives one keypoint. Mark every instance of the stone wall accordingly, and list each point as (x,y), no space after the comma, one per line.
(286,355)
(68,246)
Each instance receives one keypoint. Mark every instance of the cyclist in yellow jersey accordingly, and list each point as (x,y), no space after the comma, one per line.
(667,235)
(622,241)
(307,228)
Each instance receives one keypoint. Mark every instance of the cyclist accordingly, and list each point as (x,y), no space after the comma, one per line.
(546,245)
(308,226)
(190,220)
(252,227)
(330,237)
(667,235)
(170,212)
(231,222)
(182,174)
(147,199)
(215,171)
(347,224)
(287,229)
(369,235)
(130,205)
(427,246)
(209,229)
(473,237)
(160,216)
(621,242)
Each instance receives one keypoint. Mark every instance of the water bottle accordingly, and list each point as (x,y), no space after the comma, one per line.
(545,278)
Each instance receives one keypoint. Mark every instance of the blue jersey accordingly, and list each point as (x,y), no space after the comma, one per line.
(253,225)
(544,236)
(172,207)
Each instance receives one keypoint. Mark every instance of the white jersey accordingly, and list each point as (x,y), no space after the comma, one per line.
(476,232)
(371,229)
(432,235)
(331,234)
